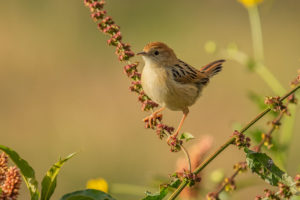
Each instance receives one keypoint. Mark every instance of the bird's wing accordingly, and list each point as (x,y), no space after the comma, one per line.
(185,73)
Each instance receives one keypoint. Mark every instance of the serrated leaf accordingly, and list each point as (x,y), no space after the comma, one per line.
(88,194)
(264,167)
(157,196)
(186,136)
(49,180)
(26,170)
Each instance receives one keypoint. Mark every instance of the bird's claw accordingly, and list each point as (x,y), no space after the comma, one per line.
(151,120)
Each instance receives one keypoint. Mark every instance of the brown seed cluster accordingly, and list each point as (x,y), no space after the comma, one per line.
(269,195)
(10,180)
(241,140)
(3,166)
(229,184)
(190,176)
(240,167)
(275,104)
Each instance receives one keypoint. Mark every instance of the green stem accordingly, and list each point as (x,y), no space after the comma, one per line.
(224,146)
(186,153)
(258,51)
(270,79)
(256,33)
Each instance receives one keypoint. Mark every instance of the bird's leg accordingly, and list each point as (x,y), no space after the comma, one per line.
(174,135)
(151,119)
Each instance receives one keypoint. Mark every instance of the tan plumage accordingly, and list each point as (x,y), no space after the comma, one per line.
(171,82)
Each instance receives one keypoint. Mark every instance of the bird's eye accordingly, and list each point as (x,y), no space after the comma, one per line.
(156,53)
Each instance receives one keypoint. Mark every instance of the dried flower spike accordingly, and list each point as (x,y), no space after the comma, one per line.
(3,166)
(11,185)
(161,128)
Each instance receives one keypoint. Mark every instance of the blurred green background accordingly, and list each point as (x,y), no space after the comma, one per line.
(63,90)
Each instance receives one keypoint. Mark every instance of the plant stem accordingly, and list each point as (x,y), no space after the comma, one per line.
(269,78)
(225,145)
(224,183)
(186,153)
(256,33)
(258,51)
(269,133)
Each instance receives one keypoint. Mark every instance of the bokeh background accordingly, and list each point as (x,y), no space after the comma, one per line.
(63,90)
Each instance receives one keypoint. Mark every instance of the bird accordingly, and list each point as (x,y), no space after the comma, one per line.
(171,82)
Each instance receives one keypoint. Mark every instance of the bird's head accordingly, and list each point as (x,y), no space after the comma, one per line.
(158,53)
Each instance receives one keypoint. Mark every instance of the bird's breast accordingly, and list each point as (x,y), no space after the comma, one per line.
(154,83)
(162,89)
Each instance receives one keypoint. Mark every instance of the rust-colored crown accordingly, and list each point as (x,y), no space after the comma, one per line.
(157,45)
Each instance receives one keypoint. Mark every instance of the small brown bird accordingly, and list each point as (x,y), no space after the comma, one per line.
(172,83)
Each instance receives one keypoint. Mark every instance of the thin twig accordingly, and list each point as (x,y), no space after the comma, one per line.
(269,133)
(186,153)
(231,178)
(187,157)
(224,146)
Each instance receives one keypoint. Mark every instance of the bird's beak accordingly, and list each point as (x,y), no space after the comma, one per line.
(141,53)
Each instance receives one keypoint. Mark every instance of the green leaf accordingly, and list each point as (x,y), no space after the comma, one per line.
(186,136)
(159,195)
(26,171)
(88,194)
(263,166)
(49,180)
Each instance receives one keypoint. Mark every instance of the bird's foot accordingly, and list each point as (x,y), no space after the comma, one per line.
(151,120)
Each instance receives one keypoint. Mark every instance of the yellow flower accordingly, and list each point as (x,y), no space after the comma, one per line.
(250,3)
(98,184)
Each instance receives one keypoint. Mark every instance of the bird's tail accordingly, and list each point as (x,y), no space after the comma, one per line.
(212,68)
